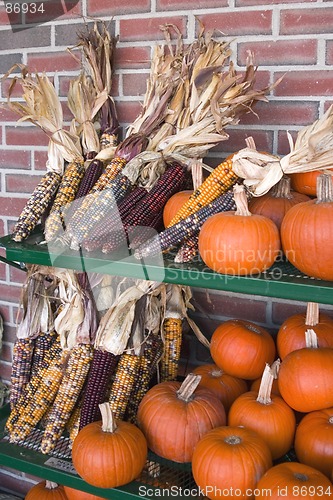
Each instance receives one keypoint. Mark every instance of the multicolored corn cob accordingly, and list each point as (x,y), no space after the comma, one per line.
(218,182)
(36,206)
(32,411)
(42,345)
(102,367)
(21,368)
(188,250)
(174,235)
(125,376)
(172,330)
(66,193)
(143,233)
(68,394)
(73,424)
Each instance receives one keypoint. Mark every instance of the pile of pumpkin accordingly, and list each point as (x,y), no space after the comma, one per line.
(235,420)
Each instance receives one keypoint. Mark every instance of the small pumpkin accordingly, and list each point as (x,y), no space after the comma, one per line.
(228,459)
(46,490)
(276,203)
(307,233)
(305,182)
(306,376)
(238,242)
(226,387)
(110,453)
(73,494)
(175,416)
(314,440)
(290,480)
(242,348)
(174,204)
(291,335)
(267,414)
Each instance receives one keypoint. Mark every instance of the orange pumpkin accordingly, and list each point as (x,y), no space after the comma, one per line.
(305,182)
(242,348)
(291,335)
(73,494)
(228,459)
(174,204)
(256,384)
(46,490)
(307,233)
(226,387)
(291,480)
(267,414)
(314,440)
(306,377)
(238,242)
(108,454)
(276,203)
(175,416)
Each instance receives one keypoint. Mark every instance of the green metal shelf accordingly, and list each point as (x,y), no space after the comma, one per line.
(282,280)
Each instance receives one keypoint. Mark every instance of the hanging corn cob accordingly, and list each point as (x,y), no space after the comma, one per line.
(189,250)
(125,376)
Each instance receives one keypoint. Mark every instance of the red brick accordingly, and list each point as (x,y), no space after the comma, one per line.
(52,62)
(236,141)
(17,158)
(329,52)
(5,371)
(293,21)
(270,53)
(2,271)
(10,331)
(21,183)
(258,22)
(67,114)
(16,275)
(5,312)
(283,113)
(305,83)
(26,136)
(283,144)
(135,84)
(132,57)
(283,310)
(5,20)
(12,206)
(245,3)
(188,4)
(11,293)
(53,9)
(148,29)
(7,115)
(6,353)
(40,160)
(128,111)
(117,7)
(64,82)
(16,91)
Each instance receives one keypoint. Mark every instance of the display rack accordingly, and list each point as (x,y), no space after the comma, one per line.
(282,280)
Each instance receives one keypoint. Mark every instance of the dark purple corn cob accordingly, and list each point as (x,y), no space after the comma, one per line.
(186,228)
(92,174)
(21,368)
(101,369)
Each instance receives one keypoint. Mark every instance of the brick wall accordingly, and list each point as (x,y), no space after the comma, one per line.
(289,37)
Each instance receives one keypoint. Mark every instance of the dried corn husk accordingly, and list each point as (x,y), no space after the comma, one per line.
(312,150)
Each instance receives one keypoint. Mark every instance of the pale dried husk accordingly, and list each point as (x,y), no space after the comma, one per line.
(312,150)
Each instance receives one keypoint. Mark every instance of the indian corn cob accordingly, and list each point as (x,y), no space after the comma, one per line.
(21,368)
(73,424)
(188,250)
(68,393)
(36,206)
(217,183)
(172,332)
(174,235)
(141,234)
(69,185)
(102,367)
(125,376)
(42,344)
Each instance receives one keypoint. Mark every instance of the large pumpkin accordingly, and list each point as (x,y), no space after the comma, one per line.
(276,203)
(307,233)
(174,204)
(242,348)
(314,440)
(238,242)
(46,490)
(175,416)
(306,377)
(226,387)
(108,454)
(291,335)
(267,414)
(292,480)
(229,458)
(305,182)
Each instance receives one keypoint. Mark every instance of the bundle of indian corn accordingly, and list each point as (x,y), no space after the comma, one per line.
(312,150)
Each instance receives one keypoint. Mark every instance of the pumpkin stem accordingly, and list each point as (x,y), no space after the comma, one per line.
(282,189)
(312,314)
(108,420)
(311,339)
(233,440)
(241,200)
(216,373)
(300,476)
(50,485)
(186,390)
(330,420)
(265,388)
(324,188)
